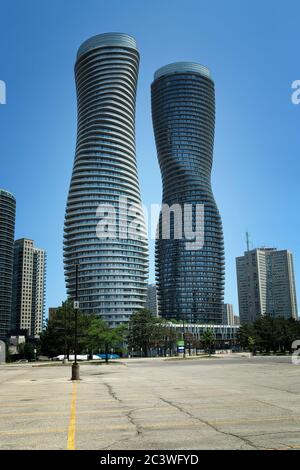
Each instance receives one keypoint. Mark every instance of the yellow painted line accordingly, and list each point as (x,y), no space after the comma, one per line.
(101,429)
(20,403)
(120,428)
(72,424)
(58,413)
(32,431)
(31,404)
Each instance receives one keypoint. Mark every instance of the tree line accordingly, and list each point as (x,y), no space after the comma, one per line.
(268,334)
(144,335)
(141,334)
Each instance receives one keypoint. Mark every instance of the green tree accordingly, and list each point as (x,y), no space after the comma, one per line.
(208,341)
(292,334)
(251,344)
(58,336)
(189,341)
(164,337)
(243,335)
(146,332)
(268,334)
(26,351)
(100,337)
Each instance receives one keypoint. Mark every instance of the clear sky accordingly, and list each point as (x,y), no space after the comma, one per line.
(251,47)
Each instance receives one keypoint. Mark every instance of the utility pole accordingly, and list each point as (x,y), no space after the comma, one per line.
(75,365)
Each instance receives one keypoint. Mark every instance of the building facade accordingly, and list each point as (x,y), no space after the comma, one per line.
(190,278)
(151,299)
(228,315)
(104,195)
(29,279)
(7,233)
(223,333)
(266,284)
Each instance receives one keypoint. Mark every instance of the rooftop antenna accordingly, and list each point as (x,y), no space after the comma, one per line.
(248,241)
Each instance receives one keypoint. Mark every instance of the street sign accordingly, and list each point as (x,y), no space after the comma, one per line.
(76,304)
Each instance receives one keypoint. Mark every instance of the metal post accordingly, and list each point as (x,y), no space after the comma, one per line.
(76,314)
(75,366)
(65,360)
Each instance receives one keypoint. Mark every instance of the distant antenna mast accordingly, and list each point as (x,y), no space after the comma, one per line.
(248,240)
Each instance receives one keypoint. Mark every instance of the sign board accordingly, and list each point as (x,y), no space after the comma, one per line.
(76,304)
(180,346)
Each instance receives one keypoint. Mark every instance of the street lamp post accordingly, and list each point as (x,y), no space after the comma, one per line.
(65,359)
(75,365)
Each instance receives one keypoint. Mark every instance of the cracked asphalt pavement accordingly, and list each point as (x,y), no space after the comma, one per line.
(217,403)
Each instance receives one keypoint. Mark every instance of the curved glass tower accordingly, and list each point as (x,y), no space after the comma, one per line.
(190,281)
(112,269)
(7,234)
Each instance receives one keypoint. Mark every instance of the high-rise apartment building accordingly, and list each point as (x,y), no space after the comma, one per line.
(151,300)
(7,233)
(29,275)
(190,280)
(104,191)
(228,316)
(266,284)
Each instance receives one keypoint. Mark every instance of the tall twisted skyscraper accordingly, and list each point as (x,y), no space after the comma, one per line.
(113,268)
(190,278)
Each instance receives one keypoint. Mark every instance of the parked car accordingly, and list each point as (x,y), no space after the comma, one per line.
(110,356)
(80,357)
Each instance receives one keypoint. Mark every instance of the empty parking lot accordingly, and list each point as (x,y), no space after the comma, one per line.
(217,403)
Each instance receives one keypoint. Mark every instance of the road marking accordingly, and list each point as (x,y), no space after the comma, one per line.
(254,420)
(72,424)
(13,404)
(31,431)
(112,411)
(119,428)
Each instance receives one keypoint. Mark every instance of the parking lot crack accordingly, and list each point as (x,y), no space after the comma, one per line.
(207,423)
(267,433)
(129,413)
(281,389)
(138,428)
(112,393)
(272,404)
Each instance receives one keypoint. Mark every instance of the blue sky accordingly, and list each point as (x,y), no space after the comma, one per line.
(251,48)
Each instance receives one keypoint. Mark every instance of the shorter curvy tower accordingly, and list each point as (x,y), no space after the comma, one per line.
(113,266)
(190,277)
(7,233)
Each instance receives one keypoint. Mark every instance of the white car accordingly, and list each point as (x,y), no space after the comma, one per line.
(80,357)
